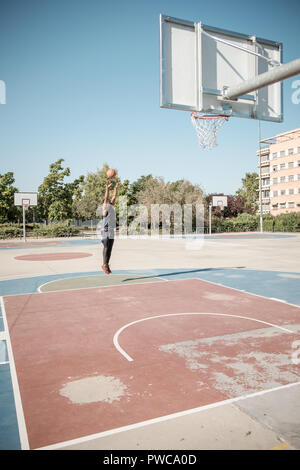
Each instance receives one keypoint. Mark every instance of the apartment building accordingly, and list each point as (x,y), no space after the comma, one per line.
(279,162)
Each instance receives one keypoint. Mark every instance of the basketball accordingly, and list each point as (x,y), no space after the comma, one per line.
(111,173)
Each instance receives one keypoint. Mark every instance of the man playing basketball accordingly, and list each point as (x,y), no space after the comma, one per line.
(108,225)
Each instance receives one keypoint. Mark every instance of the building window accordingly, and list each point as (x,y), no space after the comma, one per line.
(291,165)
(291,191)
(298,163)
(274,155)
(275,206)
(282,179)
(291,177)
(275,193)
(298,176)
(282,192)
(298,150)
(275,181)
(290,151)
(282,153)
(291,204)
(282,205)
(282,166)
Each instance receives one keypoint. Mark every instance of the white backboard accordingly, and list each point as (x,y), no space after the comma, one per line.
(220,201)
(19,198)
(196,66)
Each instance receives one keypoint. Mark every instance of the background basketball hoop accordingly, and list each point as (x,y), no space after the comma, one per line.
(25,200)
(219,201)
(25,204)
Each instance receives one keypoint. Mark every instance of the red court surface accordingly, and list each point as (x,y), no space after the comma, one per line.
(75,379)
(52,256)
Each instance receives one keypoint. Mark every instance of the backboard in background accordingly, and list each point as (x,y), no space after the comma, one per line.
(27,198)
(199,62)
(220,201)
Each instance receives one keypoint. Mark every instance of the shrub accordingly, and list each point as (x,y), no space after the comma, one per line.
(289,222)
(10,231)
(241,223)
(245,223)
(55,230)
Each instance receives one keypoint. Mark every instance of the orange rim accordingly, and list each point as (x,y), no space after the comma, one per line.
(208,116)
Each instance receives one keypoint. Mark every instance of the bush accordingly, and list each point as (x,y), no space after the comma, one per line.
(241,223)
(245,223)
(289,222)
(268,225)
(10,231)
(55,230)
(223,225)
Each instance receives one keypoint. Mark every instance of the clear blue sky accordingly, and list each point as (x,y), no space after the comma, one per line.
(82,83)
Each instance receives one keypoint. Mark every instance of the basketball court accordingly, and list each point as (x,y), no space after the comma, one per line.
(130,359)
(187,345)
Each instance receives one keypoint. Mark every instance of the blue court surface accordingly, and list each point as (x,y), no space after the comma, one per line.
(278,285)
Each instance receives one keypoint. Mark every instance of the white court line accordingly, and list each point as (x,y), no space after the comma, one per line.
(62,279)
(2,335)
(161,419)
(17,396)
(129,358)
(98,287)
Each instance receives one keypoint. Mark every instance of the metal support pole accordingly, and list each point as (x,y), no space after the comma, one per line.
(277,74)
(209,208)
(260,182)
(24,225)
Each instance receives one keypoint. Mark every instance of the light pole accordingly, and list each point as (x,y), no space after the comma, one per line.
(260,181)
(209,209)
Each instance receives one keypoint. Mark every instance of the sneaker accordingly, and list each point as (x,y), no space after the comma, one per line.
(109,271)
(105,268)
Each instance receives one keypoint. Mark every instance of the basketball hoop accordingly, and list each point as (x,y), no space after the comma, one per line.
(207,126)
(25,204)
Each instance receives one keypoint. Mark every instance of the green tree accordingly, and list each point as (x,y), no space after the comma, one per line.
(89,194)
(136,187)
(157,191)
(55,196)
(8,211)
(249,191)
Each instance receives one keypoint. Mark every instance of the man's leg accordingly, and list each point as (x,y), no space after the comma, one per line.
(109,249)
(106,256)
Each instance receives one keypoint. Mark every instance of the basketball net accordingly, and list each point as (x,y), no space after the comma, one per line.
(207,126)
